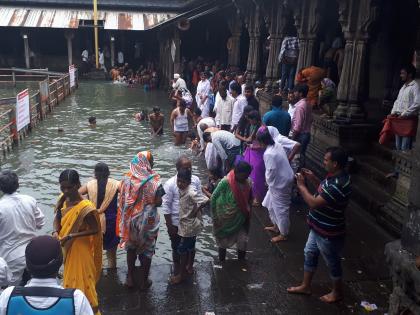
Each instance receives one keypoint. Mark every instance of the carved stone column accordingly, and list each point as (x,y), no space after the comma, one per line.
(177,61)
(233,44)
(307,20)
(69,35)
(252,22)
(356,18)
(112,48)
(277,22)
(27,50)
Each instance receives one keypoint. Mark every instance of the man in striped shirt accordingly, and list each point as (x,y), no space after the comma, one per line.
(326,220)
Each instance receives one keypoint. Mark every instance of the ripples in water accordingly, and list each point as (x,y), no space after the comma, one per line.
(46,152)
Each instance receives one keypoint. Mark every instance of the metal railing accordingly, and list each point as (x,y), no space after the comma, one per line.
(53,88)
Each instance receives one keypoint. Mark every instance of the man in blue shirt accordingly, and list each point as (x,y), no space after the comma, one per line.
(277,117)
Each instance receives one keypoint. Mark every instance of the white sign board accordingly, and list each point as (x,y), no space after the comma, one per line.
(22,110)
(71,74)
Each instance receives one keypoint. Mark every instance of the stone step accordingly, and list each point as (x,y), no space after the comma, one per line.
(382,151)
(375,169)
(96,75)
(369,196)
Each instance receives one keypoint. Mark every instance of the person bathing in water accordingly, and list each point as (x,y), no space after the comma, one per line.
(180,120)
(92,122)
(156,122)
(140,116)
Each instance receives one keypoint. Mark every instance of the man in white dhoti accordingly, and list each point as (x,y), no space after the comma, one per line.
(279,177)
(202,96)
(212,158)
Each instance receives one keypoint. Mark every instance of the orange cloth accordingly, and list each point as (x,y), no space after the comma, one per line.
(312,76)
(401,126)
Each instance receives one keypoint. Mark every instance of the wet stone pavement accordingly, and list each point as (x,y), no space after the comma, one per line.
(258,285)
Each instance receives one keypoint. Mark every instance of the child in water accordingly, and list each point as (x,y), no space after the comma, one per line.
(214,178)
(92,122)
(190,223)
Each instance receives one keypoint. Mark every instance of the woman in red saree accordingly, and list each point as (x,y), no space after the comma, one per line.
(231,208)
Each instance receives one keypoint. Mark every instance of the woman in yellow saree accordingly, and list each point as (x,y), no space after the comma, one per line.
(77,226)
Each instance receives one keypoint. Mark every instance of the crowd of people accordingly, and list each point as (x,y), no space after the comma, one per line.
(251,161)
(145,76)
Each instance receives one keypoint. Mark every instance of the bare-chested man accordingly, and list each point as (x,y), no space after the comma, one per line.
(156,121)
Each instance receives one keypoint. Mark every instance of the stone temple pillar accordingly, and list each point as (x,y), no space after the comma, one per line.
(307,21)
(234,41)
(27,50)
(356,18)
(69,37)
(177,61)
(112,47)
(252,23)
(277,22)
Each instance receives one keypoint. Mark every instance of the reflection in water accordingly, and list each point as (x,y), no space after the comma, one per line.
(117,137)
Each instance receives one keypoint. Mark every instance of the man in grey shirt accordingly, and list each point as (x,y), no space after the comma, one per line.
(179,83)
(227,146)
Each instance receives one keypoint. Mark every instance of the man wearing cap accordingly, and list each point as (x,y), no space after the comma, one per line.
(43,293)
(20,218)
(178,83)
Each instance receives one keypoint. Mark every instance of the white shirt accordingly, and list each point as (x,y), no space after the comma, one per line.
(81,303)
(85,55)
(287,143)
(170,200)
(408,100)
(179,84)
(120,57)
(203,90)
(211,157)
(238,109)
(291,111)
(20,217)
(278,172)
(223,109)
(5,274)
(101,58)
(209,121)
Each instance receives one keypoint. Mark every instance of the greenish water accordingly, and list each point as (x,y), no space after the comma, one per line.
(46,152)
(8,90)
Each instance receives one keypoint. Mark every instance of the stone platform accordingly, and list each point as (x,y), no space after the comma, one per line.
(258,285)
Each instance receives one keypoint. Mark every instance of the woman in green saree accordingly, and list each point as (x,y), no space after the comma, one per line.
(231,208)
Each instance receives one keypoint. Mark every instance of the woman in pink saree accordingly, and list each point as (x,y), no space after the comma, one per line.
(254,156)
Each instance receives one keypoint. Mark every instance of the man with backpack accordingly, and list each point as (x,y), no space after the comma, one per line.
(43,293)
(288,58)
